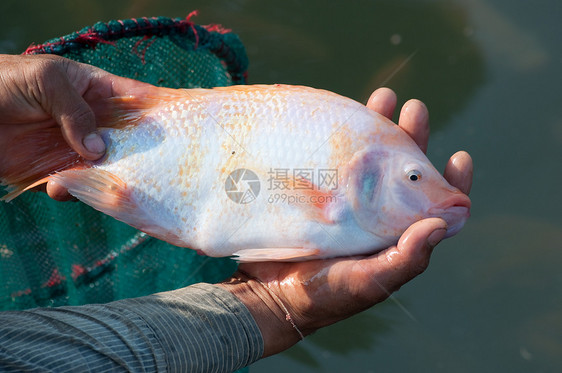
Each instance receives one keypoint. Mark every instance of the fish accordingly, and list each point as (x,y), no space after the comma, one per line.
(254,172)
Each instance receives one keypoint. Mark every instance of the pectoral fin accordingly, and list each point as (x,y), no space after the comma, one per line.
(277,254)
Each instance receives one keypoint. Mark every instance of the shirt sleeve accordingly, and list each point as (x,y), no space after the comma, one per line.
(200,328)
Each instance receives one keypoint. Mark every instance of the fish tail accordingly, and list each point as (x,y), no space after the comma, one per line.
(34,156)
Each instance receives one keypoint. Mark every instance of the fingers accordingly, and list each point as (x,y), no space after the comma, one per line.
(414,120)
(124,86)
(459,171)
(66,105)
(58,192)
(78,125)
(383,101)
(414,116)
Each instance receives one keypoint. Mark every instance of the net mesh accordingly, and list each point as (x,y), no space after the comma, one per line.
(66,253)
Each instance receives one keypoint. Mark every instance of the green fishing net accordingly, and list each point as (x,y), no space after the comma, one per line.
(65,253)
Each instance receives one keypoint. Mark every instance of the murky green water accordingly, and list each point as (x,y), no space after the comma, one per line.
(490,73)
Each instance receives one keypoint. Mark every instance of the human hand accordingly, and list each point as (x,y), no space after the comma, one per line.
(42,91)
(318,293)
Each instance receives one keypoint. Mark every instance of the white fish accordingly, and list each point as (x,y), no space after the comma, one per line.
(261,173)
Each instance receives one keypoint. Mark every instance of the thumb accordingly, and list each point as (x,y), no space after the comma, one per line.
(410,257)
(74,115)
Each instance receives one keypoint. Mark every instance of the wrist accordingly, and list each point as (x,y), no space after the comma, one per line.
(278,330)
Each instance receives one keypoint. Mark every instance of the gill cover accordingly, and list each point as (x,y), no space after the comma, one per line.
(365,177)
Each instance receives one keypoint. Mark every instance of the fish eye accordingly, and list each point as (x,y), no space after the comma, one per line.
(414,175)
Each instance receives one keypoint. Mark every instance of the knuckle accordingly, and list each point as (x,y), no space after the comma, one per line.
(46,73)
(79,118)
(81,114)
(47,67)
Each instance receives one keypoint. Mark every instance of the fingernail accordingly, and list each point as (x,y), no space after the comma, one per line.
(94,143)
(436,236)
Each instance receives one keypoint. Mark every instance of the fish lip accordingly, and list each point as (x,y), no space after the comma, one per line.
(459,202)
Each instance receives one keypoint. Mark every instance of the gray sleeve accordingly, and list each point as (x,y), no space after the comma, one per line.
(201,328)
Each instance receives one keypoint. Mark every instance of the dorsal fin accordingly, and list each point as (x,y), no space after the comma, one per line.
(120,112)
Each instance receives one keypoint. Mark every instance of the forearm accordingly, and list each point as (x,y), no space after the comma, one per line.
(199,328)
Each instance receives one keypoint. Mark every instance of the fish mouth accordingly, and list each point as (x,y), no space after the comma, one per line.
(459,202)
(454,210)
